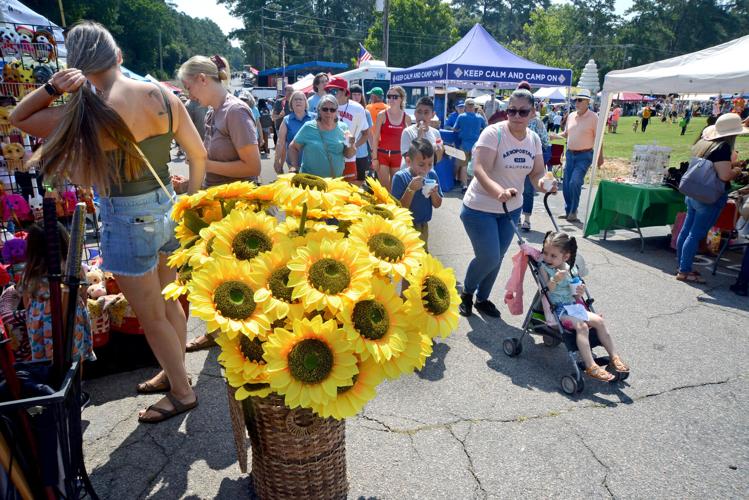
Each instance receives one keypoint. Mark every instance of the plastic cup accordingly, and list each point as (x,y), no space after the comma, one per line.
(574,283)
(548,184)
(429,185)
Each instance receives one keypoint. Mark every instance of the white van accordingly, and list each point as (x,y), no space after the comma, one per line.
(374,73)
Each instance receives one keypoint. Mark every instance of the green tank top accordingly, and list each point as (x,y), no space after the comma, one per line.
(157,150)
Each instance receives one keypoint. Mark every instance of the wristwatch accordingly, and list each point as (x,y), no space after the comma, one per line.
(52,90)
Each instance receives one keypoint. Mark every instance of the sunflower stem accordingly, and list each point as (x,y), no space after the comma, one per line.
(303,219)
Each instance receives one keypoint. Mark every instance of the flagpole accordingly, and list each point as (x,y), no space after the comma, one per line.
(385,32)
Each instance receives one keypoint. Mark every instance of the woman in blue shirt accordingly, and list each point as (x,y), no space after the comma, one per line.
(290,126)
(325,141)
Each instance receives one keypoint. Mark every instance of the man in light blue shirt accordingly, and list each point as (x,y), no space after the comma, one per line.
(468,127)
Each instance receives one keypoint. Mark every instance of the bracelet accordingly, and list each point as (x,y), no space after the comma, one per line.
(51,89)
(410,190)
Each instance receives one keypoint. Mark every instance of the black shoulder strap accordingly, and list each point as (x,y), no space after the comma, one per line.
(167,104)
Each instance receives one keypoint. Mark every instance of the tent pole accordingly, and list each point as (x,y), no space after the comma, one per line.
(603,112)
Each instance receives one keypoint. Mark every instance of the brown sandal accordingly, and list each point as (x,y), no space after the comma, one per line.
(200,343)
(690,277)
(149,388)
(599,373)
(618,365)
(179,408)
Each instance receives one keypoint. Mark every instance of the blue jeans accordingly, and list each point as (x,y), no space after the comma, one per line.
(575,167)
(528,193)
(700,218)
(490,235)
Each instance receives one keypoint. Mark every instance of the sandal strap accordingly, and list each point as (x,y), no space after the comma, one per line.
(179,406)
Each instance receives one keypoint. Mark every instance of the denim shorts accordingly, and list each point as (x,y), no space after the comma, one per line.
(135,229)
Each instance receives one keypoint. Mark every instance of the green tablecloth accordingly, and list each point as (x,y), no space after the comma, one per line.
(627,203)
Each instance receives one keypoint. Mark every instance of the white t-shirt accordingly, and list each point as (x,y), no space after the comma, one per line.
(355,117)
(411,132)
(557,118)
(513,163)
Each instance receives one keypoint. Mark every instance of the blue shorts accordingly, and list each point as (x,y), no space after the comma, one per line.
(135,229)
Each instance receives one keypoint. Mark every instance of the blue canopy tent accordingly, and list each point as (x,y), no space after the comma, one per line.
(478,61)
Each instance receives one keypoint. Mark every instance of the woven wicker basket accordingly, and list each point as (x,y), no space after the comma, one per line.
(295,454)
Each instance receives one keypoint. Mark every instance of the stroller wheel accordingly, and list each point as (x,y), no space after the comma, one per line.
(512,346)
(569,384)
(550,341)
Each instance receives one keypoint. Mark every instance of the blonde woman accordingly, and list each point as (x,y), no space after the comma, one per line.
(230,135)
(388,128)
(289,127)
(107,134)
(231,138)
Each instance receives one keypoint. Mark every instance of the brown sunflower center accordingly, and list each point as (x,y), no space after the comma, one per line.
(310,361)
(252,349)
(278,284)
(309,181)
(344,226)
(329,276)
(193,222)
(371,319)
(345,388)
(184,274)
(436,296)
(386,247)
(248,243)
(378,210)
(234,300)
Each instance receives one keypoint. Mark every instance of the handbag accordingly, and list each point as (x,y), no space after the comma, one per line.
(701,181)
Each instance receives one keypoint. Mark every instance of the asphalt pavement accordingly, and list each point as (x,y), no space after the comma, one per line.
(478,424)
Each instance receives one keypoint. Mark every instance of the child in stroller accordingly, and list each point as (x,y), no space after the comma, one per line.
(558,250)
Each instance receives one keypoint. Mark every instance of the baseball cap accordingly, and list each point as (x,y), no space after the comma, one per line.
(376,91)
(470,102)
(337,83)
(460,104)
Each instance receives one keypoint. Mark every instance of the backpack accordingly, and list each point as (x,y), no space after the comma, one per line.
(701,181)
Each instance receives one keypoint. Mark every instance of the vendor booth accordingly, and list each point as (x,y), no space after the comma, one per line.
(476,61)
(720,69)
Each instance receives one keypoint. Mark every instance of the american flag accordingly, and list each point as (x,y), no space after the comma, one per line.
(364,55)
(254,71)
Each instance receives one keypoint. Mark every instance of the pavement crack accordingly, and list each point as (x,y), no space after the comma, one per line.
(471,468)
(605,480)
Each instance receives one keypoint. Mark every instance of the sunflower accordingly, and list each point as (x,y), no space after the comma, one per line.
(269,269)
(432,299)
(351,399)
(194,219)
(309,363)
(179,286)
(290,228)
(187,202)
(391,212)
(329,274)
(222,292)
(259,387)
(414,355)
(380,192)
(245,235)
(234,190)
(295,190)
(375,324)
(392,247)
(242,355)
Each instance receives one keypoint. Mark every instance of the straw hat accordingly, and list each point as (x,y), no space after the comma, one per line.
(582,94)
(727,125)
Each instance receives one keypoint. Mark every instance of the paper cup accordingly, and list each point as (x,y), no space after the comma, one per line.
(548,184)
(429,185)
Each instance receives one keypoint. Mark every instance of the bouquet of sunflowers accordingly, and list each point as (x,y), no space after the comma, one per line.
(320,290)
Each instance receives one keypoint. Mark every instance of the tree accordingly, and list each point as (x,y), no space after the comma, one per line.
(419,30)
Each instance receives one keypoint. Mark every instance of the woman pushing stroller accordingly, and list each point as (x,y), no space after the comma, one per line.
(559,250)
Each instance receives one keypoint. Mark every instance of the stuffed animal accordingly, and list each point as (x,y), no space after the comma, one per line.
(42,73)
(25,39)
(44,46)
(14,251)
(86,196)
(15,207)
(96,287)
(69,200)
(5,126)
(36,204)
(8,40)
(25,76)
(13,154)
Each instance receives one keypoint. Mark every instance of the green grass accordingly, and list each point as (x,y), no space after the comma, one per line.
(621,144)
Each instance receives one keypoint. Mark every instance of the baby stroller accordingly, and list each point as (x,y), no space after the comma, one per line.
(552,331)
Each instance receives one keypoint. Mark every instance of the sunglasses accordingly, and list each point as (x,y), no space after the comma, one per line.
(329,110)
(522,112)
(581,100)
(393,96)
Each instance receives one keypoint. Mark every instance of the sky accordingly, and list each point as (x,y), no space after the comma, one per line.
(221,16)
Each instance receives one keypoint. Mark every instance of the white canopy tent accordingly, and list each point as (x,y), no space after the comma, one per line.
(720,69)
(553,93)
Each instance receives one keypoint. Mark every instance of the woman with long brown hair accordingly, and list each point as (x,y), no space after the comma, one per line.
(115,134)
(388,128)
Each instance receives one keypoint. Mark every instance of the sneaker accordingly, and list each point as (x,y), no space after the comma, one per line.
(466,304)
(488,308)
(572,217)
(525,226)
(563,216)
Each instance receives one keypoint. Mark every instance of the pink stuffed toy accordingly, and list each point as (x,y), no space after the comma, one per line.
(15,207)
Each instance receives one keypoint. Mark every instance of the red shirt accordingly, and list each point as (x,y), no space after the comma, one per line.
(390,135)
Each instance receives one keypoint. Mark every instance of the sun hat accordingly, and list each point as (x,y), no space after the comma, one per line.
(470,102)
(376,91)
(337,83)
(727,125)
(582,94)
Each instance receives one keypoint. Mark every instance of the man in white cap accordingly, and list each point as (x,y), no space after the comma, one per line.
(580,133)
